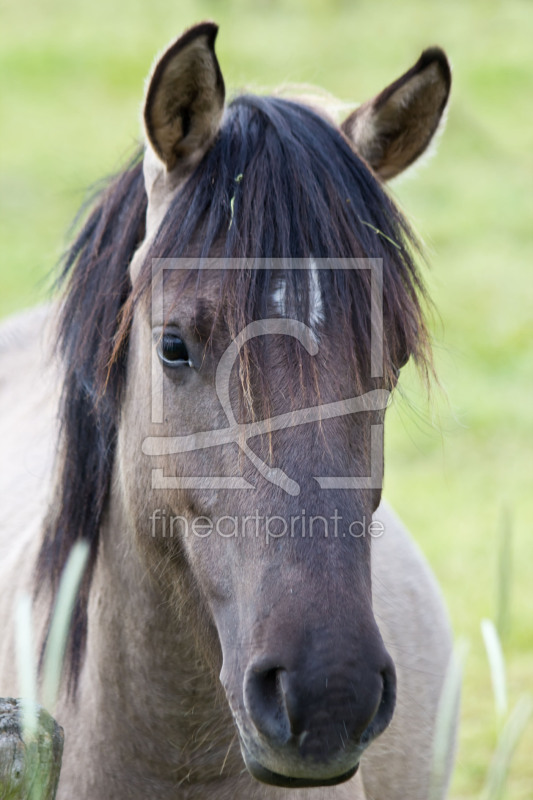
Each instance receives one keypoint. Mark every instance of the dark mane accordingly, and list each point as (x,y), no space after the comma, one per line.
(95,273)
(278,182)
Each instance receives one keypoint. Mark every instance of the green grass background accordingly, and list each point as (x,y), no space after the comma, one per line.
(458,470)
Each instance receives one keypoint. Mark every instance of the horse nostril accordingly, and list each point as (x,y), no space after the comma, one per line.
(264,698)
(385,710)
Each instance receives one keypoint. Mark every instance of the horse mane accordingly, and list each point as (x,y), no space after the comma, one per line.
(278,182)
(95,276)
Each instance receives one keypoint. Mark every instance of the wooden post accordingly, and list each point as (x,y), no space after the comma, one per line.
(28,770)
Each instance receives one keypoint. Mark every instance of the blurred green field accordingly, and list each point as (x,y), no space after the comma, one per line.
(459,470)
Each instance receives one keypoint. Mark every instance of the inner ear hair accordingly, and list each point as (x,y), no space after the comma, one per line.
(185,97)
(393,129)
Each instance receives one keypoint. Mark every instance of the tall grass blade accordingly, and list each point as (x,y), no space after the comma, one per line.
(59,627)
(445,724)
(497,665)
(510,737)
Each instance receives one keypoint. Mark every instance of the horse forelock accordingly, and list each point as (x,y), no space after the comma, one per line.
(282,182)
(279,182)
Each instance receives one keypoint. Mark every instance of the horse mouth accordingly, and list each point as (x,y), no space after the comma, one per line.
(265,775)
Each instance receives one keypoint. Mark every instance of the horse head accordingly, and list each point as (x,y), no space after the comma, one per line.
(249,451)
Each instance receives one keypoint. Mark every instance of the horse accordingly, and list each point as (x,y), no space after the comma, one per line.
(206,377)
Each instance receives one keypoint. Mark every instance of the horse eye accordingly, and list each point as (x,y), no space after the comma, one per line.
(173,351)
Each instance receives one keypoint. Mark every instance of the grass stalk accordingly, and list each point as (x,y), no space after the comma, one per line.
(60,625)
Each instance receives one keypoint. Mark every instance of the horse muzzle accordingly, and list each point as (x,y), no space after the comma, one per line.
(304,729)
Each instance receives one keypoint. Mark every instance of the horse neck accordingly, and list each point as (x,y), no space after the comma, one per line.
(145,684)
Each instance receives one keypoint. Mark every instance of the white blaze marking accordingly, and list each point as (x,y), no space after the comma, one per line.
(315,297)
(316,305)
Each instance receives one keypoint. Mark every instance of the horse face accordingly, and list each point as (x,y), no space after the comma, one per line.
(280,567)
(283,577)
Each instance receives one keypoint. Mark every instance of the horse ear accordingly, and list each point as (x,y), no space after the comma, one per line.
(391,131)
(185,97)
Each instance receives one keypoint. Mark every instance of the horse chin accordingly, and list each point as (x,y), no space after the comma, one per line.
(265,775)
